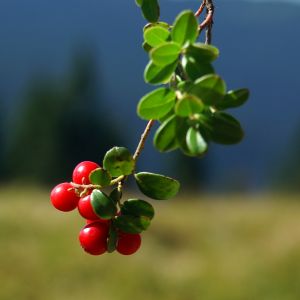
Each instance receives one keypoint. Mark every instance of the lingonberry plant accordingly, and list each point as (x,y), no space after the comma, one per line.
(189,105)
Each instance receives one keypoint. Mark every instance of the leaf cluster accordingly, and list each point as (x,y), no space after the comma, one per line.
(191,98)
(133,215)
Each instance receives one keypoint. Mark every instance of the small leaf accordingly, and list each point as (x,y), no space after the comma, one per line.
(132,224)
(112,239)
(233,99)
(188,106)
(115,195)
(118,161)
(195,69)
(195,142)
(138,208)
(138,2)
(185,86)
(100,177)
(157,186)
(185,28)
(165,138)
(156,36)
(202,53)
(165,54)
(157,74)
(182,127)
(147,47)
(102,205)
(222,128)
(156,104)
(150,9)
(210,89)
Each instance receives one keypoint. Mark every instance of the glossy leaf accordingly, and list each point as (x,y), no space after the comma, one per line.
(157,74)
(156,104)
(100,177)
(210,89)
(138,2)
(157,186)
(195,69)
(102,205)
(188,106)
(150,9)
(156,36)
(132,224)
(165,54)
(136,207)
(195,142)
(185,28)
(165,138)
(182,127)
(202,52)
(112,239)
(233,99)
(118,161)
(115,195)
(147,47)
(222,128)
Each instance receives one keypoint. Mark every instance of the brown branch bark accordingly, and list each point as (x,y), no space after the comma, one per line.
(208,22)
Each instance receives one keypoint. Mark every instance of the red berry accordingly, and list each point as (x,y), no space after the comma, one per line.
(107,222)
(93,238)
(82,172)
(63,198)
(128,243)
(85,208)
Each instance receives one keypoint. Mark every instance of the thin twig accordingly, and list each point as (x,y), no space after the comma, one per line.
(143,139)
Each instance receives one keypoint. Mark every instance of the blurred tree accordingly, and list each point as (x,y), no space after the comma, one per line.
(59,125)
(288,176)
(1,139)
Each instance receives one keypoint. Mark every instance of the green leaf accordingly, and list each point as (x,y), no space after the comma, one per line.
(222,128)
(112,239)
(195,142)
(182,127)
(118,161)
(185,28)
(138,2)
(100,177)
(132,224)
(233,99)
(209,88)
(150,9)
(147,47)
(165,54)
(157,186)
(188,106)
(165,138)
(115,195)
(195,69)
(156,104)
(157,74)
(185,86)
(102,205)
(202,52)
(138,208)
(156,36)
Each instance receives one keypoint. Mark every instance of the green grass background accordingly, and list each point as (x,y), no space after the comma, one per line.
(219,248)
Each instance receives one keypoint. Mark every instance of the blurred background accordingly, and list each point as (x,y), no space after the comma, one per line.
(70,80)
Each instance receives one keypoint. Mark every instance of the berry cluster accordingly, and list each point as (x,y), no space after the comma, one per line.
(99,232)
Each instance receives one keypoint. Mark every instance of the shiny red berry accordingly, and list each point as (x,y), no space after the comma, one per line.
(93,238)
(128,243)
(85,208)
(82,172)
(107,222)
(63,197)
